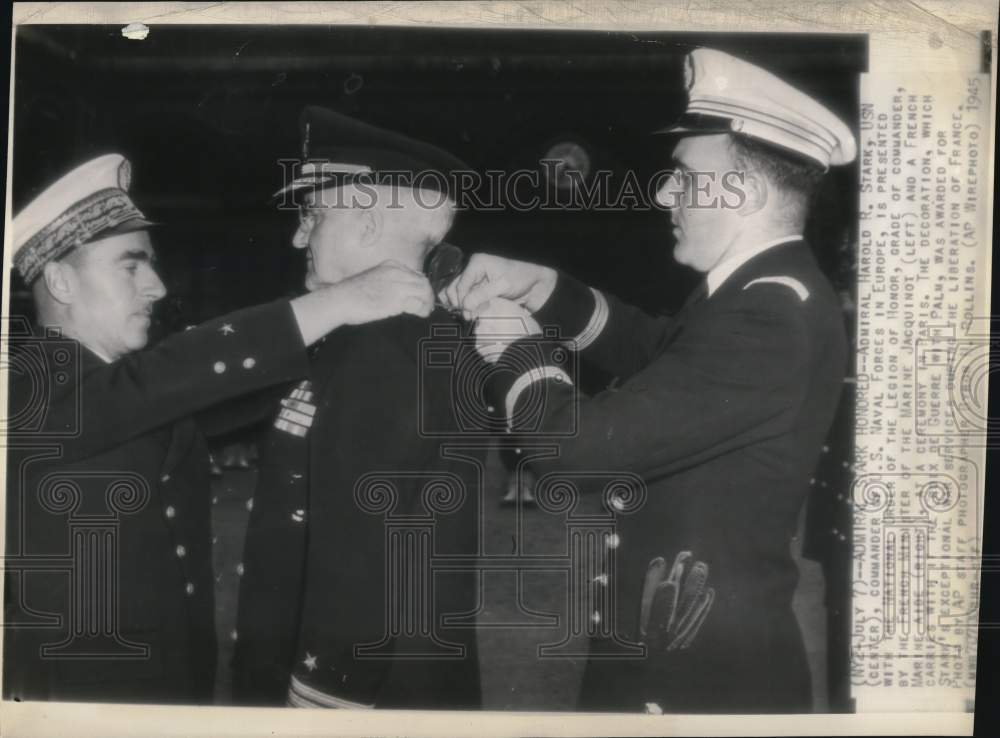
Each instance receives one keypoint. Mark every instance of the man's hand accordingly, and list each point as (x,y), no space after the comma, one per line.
(675,604)
(487,277)
(385,290)
(500,323)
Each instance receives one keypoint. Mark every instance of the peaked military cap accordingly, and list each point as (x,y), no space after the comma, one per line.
(338,150)
(729,95)
(89,203)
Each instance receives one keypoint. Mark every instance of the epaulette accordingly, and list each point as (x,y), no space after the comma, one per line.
(790,282)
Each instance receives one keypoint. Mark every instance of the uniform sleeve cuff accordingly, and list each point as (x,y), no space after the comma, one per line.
(524,382)
(514,374)
(578,311)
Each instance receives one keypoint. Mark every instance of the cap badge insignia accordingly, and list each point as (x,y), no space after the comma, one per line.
(124,175)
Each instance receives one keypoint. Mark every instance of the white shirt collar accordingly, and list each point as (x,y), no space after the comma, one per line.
(724,269)
(98,354)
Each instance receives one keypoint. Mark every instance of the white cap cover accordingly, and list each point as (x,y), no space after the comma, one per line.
(753,102)
(90,201)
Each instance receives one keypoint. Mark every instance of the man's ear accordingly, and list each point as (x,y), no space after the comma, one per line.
(371,226)
(59,281)
(755,188)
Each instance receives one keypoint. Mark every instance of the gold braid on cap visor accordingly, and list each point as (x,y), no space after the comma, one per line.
(76,226)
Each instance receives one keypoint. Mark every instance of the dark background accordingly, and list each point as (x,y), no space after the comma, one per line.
(204,113)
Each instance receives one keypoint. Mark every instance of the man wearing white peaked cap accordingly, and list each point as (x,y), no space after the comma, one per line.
(88,202)
(722,409)
(726,94)
(119,425)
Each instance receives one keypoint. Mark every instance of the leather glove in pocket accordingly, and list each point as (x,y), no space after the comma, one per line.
(674,604)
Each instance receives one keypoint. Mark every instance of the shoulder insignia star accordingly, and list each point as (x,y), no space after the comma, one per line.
(309,661)
(227,328)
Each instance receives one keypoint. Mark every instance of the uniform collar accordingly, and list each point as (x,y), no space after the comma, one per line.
(97,353)
(42,331)
(723,270)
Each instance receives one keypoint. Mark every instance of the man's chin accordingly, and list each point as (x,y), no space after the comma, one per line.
(682,253)
(314,282)
(132,344)
(686,254)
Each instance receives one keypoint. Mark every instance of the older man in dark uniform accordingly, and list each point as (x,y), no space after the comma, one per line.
(109,584)
(335,610)
(722,409)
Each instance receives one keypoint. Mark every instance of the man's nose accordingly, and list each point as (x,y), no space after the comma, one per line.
(301,238)
(154,288)
(670,194)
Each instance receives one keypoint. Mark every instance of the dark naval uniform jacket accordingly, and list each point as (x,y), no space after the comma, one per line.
(109,582)
(338,606)
(722,410)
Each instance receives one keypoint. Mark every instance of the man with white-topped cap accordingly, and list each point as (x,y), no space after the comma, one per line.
(100,430)
(722,409)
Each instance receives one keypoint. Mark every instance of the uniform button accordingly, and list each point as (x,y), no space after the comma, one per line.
(517,451)
(170,511)
(233,635)
(490,409)
(189,588)
(595,618)
(250,505)
(219,367)
(249,362)
(826,449)
(165,478)
(842,537)
(239,569)
(215,539)
(181,552)
(614,540)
